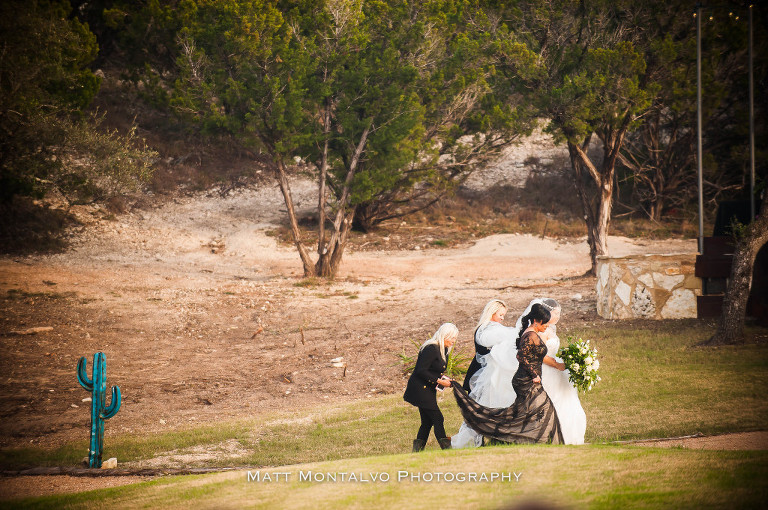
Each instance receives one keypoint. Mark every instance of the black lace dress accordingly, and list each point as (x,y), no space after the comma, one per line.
(532,418)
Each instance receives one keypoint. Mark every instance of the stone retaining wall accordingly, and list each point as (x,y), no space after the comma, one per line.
(647,286)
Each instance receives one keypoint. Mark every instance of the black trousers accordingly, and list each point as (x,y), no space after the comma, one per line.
(431,418)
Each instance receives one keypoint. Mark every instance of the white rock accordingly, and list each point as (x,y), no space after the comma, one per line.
(642,303)
(668,282)
(680,305)
(33,331)
(337,360)
(646,280)
(622,291)
(604,270)
(577,297)
(109,463)
(87,399)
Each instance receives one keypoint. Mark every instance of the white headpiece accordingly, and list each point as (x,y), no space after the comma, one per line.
(519,323)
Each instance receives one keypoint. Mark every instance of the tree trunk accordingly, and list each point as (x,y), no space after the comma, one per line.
(328,264)
(306,260)
(338,250)
(321,247)
(595,219)
(364,217)
(598,219)
(657,205)
(730,329)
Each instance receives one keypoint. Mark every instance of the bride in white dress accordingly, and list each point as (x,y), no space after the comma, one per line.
(491,386)
(564,396)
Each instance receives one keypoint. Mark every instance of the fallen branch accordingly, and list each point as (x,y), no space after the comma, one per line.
(87,472)
(658,439)
(531,286)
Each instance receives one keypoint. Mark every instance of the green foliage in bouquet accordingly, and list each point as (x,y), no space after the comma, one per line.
(581,362)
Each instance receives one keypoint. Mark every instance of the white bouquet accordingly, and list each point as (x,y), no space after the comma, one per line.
(581,361)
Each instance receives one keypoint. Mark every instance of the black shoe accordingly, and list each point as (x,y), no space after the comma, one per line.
(445,443)
(418,445)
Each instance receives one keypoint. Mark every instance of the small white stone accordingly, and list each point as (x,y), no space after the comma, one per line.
(577,297)
(109,463)
(337,360)
(87,399)
(162,422)
(74,405)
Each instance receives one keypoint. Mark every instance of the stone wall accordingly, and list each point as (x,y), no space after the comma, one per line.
(647,286)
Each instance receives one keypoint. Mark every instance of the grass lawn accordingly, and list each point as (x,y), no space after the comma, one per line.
(594,476)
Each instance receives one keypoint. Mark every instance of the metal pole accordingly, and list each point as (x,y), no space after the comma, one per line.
(751,125)
(699,152)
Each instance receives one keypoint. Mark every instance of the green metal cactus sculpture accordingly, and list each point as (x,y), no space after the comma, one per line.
(99,409)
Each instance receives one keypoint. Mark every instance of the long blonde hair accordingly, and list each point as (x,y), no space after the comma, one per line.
(493,306)
(446,330)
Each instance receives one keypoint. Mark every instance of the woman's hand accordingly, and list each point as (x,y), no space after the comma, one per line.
(537,379)
(552,362)
(444,382)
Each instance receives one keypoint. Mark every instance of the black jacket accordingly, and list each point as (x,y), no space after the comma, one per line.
(421,390)
(474,366)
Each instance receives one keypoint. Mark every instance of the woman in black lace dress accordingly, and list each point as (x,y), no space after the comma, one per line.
(532,418)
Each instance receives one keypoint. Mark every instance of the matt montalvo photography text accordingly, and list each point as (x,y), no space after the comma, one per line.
(383,477)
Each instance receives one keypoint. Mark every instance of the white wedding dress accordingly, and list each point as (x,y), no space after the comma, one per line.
(564,396)
(492,387)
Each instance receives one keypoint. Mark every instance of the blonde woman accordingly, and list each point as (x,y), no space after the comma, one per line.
(489,332)
(422,385)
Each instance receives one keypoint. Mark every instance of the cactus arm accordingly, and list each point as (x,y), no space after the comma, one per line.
(82,377)
(114,405)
